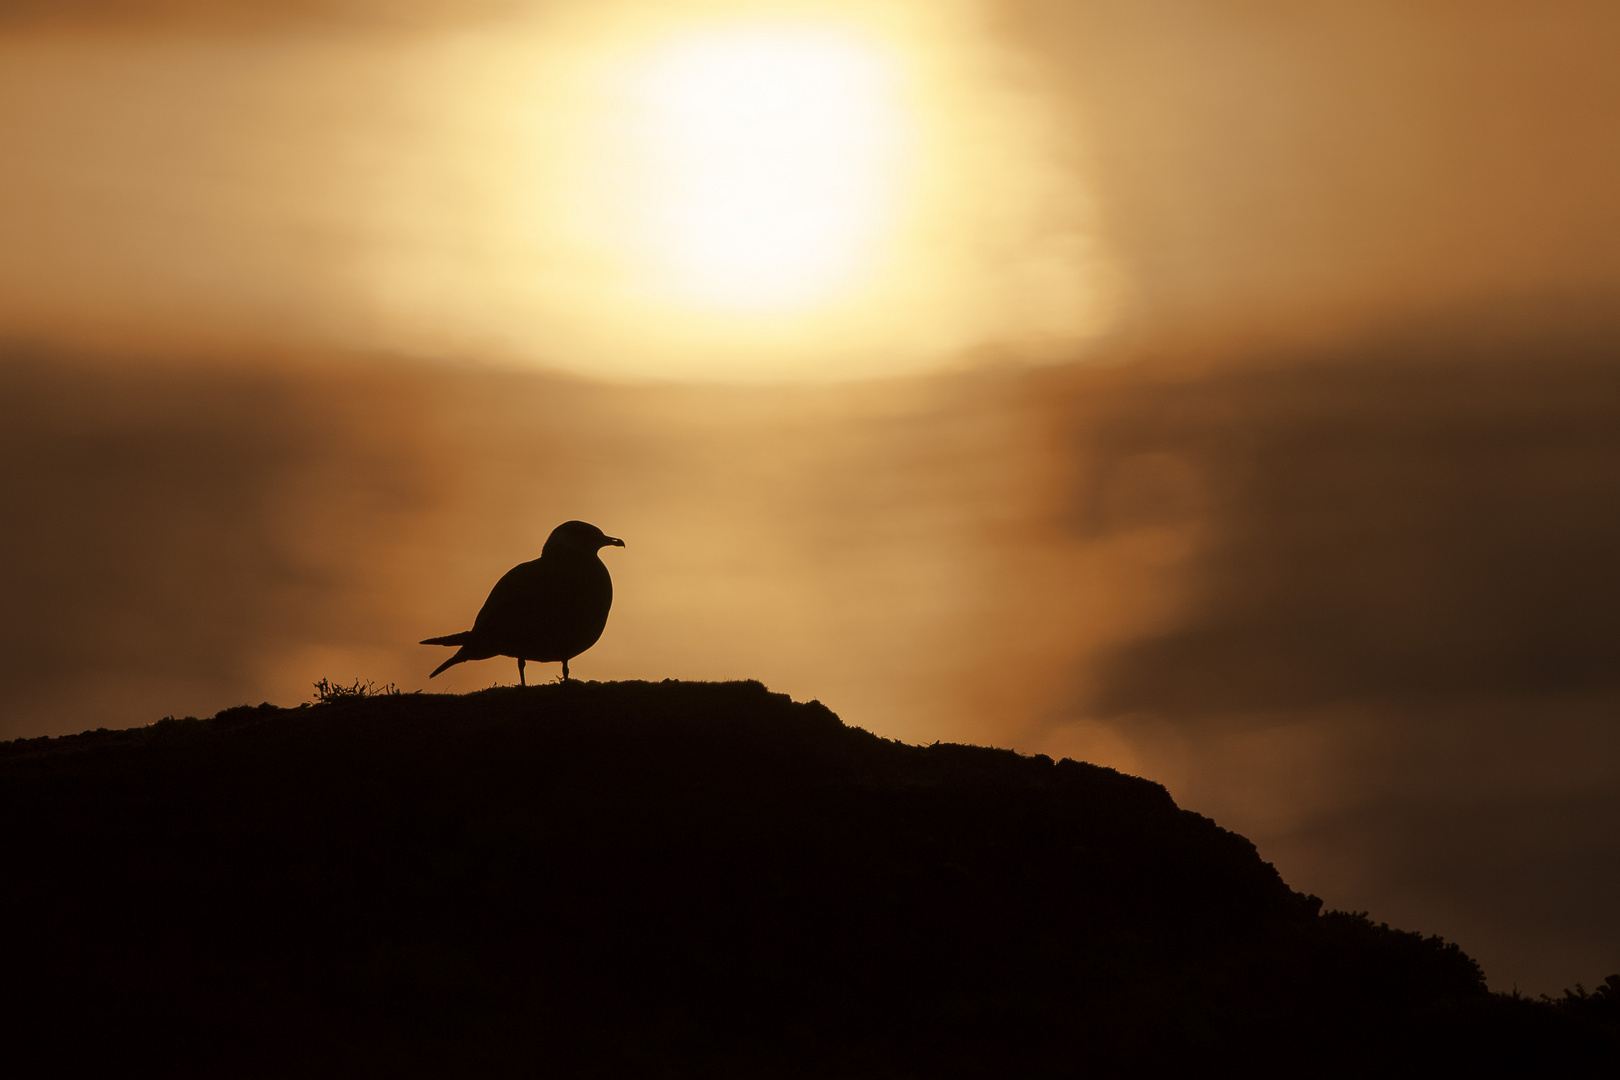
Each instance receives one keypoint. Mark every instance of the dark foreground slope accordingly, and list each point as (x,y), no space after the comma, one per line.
(681,879)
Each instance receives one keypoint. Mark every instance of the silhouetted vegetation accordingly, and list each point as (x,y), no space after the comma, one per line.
(1601,1007)
(679,879)
(327,691)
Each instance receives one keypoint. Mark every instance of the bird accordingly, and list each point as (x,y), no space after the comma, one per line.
(551,608)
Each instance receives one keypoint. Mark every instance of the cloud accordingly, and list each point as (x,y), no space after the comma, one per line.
(1389,656)
(169,531)
(250,14)
(1408,516)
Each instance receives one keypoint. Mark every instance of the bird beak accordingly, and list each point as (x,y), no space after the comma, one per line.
(614,541)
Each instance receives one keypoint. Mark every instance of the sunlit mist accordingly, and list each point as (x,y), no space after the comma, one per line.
(744,192)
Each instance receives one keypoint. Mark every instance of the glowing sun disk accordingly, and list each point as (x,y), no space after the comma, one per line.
(766,164)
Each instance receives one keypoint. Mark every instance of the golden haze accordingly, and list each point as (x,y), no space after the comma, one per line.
(699,191)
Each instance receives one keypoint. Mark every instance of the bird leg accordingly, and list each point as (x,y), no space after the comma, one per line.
(520,672)
(565,671)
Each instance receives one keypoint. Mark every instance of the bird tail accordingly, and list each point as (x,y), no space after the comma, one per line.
(448,639)
(461,654)
(451,639)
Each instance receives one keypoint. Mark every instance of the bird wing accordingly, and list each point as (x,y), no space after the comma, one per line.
(520,598)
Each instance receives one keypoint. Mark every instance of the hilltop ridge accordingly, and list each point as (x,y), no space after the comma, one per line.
(648,879)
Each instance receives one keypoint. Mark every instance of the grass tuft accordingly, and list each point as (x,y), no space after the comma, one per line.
(327,692)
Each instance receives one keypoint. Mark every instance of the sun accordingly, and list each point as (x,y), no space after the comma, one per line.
(729,190)
(761,165)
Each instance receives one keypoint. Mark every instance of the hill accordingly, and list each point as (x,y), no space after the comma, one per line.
(683,879)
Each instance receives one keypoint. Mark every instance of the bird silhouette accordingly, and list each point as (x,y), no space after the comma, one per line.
(552,608)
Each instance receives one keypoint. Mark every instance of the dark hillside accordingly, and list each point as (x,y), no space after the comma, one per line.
(638,879)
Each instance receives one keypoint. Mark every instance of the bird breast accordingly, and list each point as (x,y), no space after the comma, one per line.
(553,608)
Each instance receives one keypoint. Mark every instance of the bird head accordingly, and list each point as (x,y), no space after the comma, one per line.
(579,536)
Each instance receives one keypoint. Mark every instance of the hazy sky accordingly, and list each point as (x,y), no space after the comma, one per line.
(1225,391)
